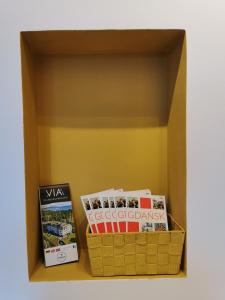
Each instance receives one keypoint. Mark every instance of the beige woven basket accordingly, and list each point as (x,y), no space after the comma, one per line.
(113,254)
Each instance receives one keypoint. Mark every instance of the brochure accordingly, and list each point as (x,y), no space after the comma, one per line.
(58,229)
(112,211)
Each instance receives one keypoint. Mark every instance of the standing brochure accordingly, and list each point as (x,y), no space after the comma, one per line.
(93,209)
(132,205)
(109,213)
(58,229)
(119,208)
(146,213)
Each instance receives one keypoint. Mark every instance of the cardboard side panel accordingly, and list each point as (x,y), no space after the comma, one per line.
(31,158)
(177,137)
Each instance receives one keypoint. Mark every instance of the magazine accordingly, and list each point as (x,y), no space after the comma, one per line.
(146,213)
(91,203)
(121,211)
(118,207)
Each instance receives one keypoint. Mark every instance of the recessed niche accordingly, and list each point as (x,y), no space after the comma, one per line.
(102,109)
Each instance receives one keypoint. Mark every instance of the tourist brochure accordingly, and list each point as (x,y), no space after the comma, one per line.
(94,203)
(58,229)
(120,211)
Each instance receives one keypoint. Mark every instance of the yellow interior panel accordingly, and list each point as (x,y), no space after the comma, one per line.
(102,109)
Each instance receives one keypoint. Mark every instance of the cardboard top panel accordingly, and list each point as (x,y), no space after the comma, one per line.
(146,41)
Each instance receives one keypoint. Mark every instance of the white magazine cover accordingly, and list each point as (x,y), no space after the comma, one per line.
(96,212)
(132,205)
(149,213)
(160,213)
(120,203)
(88,202)
(109,212)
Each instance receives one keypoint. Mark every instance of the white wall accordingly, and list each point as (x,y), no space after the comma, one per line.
(205,25)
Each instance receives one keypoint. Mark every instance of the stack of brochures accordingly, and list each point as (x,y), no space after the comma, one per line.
(114,210)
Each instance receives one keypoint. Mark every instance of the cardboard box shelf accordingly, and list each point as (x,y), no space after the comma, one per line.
(102,109)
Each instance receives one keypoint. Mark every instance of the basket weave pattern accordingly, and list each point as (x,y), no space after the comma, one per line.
(136,253)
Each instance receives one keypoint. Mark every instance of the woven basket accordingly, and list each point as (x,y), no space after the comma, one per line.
(113,254)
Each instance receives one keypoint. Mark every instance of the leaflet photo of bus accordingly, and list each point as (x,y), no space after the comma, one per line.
(57,224)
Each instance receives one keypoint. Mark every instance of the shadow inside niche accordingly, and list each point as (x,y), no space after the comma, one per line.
(102,91)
